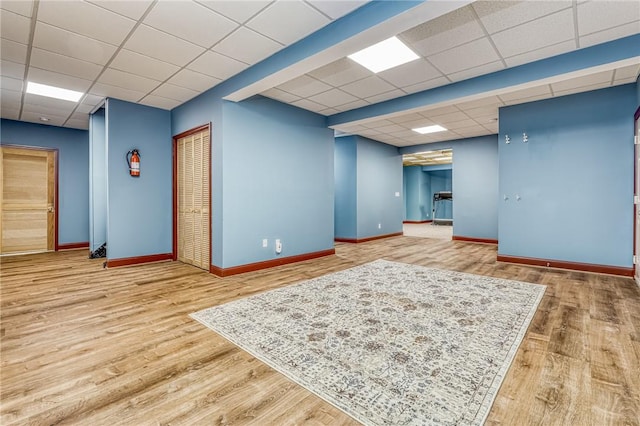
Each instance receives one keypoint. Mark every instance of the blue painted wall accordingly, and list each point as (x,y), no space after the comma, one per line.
(416,190)
(475,184)
(574,177)
(73,171)
(278,181)
(97,180)
(345,211)
(139,212)
(379,178)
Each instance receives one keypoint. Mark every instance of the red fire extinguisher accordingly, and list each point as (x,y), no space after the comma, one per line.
(134,162)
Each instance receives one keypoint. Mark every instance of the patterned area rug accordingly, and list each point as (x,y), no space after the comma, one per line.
(388,343)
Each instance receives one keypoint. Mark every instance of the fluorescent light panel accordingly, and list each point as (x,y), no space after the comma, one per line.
(53,92)
(429,129)
(384,55)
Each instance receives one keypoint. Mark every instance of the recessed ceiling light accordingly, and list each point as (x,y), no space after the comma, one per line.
(45,119)
(53,92)
(384,55)
(429,129)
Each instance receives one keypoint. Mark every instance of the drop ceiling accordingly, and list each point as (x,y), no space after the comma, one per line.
(136,51)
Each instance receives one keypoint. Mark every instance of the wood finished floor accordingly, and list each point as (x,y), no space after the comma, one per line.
(85,345)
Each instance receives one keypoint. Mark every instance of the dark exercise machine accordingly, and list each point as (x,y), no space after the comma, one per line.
(438,199)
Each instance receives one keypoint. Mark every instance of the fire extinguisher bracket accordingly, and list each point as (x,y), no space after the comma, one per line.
(134,162)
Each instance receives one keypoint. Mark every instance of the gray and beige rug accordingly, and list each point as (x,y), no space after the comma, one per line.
(388,343)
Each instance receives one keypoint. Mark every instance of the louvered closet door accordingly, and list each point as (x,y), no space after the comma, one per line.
(193,199)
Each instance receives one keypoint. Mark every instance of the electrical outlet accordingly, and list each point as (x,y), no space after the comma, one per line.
(265,243)
(379,226)
(278,247)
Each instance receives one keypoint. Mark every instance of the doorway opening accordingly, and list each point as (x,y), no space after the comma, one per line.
(192,197)
(28,200)
(428,189)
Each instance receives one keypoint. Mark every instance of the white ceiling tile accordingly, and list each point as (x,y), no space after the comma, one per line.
(309,105)
(85,108)
(12,69)
(60,109)
(8,83)
(580,89)
(130,9)
(547,31)
(77,124)
(35,118)
(21,7)
(405,118)
(390,128)
(126,80)
(239,11)
(10,99)
(10,114)
(463,57)
(352,105)
(301,20)
(304,86)
(476,71)
(449,109)
(175,92)
(500,15)
(51,78)
(14,27)
(341,72)
(64,64)
(107,91)
(90,99)
(379,122)
(385,96)
(13,51)
(483,112)
(526,93)
(630,71)
(328,111)
(280,95)
(426,85)
(67,43)
(462,124)
(545,52)
(588,80)
(335,9)
(160,102)
(469,132)
(601,15)
(247,46)
(190,21)
(367,87)
(491,128)
(51,104)
(216,65)
(333,97)
(610,34)
(163,46)
(445,32)
(410,73)
(95,22)
(136,63)
(487,101)
(194,80)
(448,118)
(526,100)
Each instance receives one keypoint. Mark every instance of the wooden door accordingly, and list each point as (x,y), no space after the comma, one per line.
(193,217)
(27,222)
